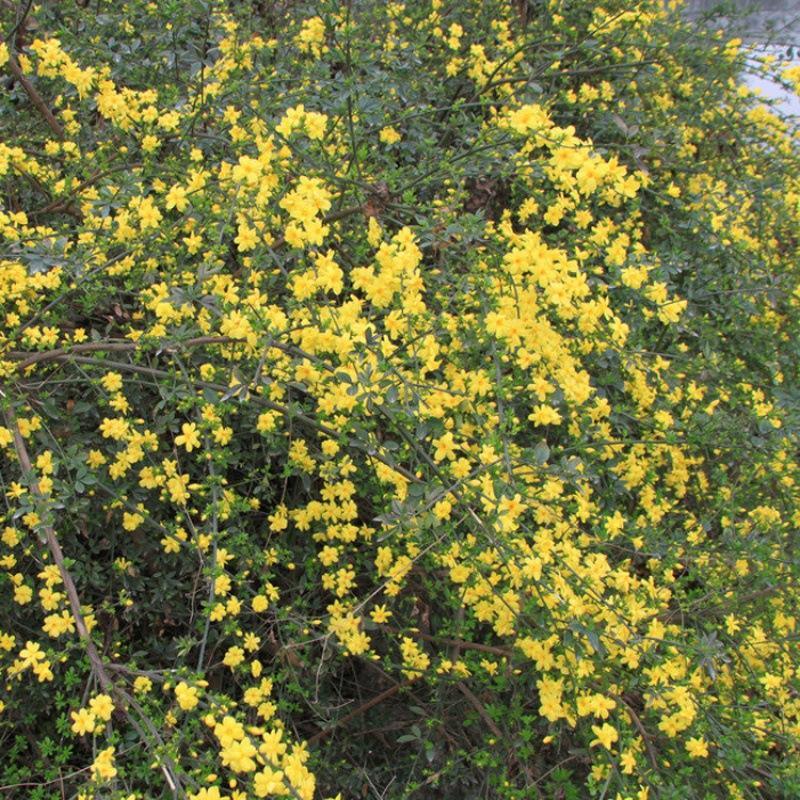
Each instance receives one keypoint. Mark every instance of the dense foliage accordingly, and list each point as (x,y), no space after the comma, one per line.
(400,401)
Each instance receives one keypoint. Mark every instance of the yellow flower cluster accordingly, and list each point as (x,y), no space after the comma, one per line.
(446,400)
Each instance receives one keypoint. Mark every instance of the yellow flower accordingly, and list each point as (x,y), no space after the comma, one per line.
(628,762)
(267,421)
(415,660)
(150,143)
(247,237)
(239,756)
(228,731)
(177,487)
(23,594)
(58,624)
(149,215)
(697,747)
(380,614)
(606,735)
(193,243)
(389,135)
(111,381)
(445,447)
(311,37)
(31,653)
(233,657)
(186,695)
(130,522)
(102,706)
(103,766)
(116,428)
(544,415)
(176,198)
(671,725)
(95,458)
(442,509)
(189,437)
(269,782)
(208,794)
(83,721)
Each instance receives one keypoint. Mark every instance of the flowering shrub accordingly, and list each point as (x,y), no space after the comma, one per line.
(400,400)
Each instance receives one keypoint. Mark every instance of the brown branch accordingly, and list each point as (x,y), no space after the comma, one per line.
(385,695)
(478,706)
(20,29)
(35,98)
(58,556)
(651,753)
(97,666)
(37,184)
(342,213)
(27,359)
(218,387)
(498,734)
(460,643)
(64,204)
(715,609)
